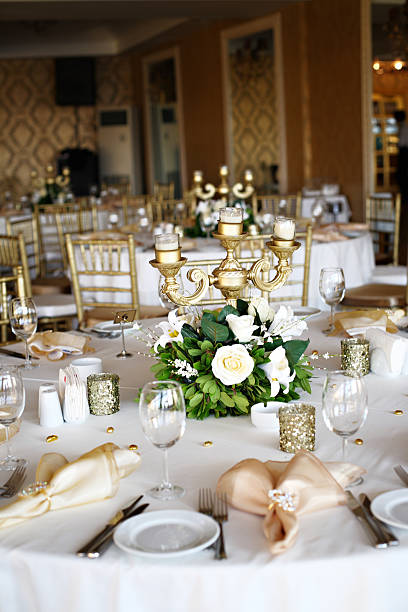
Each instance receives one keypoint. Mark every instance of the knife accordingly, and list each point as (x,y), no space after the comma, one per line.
(15,354)
(358,511)
(108,529)
(97,551)
(382,527)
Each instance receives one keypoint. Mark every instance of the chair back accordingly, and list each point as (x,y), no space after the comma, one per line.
(133,207)
(28,228)
(278,205)
(383,213)
(103,274)
(13,256)
(163,191)
(173,211)
(10,286)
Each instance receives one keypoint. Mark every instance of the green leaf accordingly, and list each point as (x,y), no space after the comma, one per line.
(187,331)
(206,345)
(196,399)
(190,392)
(294,350)
(223,314)
(241,402)
(208,315)
(194,352)
(157,367)
(227,400)
(242,307)
(251,379)
(214,331)
(203,378)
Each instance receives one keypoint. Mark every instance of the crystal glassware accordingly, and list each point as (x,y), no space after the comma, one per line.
(23,321)
(163,418)
(12,401)
(344,405)
(332,288)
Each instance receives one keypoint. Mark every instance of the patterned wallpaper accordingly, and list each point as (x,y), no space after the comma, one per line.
(33,129)
(254,120)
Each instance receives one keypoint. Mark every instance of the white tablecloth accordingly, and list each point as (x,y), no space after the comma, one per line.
(343,216)
(331,566)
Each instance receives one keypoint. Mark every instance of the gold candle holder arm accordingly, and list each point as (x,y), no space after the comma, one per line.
(242,192)
(205,193)
(283,251)
(170,286)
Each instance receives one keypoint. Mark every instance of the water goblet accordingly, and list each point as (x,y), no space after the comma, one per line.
(23,321)
(12,401)
(165,302)
(344,406)
(332,288)
(163,417)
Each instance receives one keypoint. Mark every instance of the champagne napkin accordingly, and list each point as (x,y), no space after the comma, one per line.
(355,322)
(55,345)
(93,477)
(328,233)
(282,491)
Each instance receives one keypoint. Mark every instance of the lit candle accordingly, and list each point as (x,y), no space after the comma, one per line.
(166,242)
(284,229)
(198,176)
(224,170)
(248,176)
(231,215)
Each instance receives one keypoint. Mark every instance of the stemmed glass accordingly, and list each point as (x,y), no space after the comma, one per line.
(12,400)
(163,299)
(23,321)
(163,418)
(344,404)
(332,288)
(208,223)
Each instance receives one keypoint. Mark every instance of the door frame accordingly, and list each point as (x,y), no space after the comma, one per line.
(270,22)
(147,60)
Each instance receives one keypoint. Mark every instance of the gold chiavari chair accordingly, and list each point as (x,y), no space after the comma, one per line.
(277,204)
(163,191)
(133,207)
(104,279)
(172,211)
(122,188)
(12,256)
(383,219)
(11,285)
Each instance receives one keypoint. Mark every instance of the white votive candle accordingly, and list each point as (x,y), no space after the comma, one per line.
(224,170)
(248,175)
(198,175)
(283,228)
(231,215)
(167,242)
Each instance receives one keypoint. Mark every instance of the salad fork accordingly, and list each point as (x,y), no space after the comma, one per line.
(10,488)
(220,514)
(403,475)
(205,502)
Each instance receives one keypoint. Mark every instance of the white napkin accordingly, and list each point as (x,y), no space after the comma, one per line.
(389,354)
(55,345)
(73,390)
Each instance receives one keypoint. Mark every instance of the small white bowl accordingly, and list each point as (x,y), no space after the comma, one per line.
(87,366)
(266,417)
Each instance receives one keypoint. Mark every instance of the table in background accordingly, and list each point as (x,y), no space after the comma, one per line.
(344,215)
(331,566)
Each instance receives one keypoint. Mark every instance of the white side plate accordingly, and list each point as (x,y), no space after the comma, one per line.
(166,533)
(306,311)
(392,508)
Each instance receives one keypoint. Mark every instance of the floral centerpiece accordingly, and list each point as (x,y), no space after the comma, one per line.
(207,216)
(230,359)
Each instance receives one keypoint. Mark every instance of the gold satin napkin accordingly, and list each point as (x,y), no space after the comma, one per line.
(55,345)
(282,491)
(93,477)
(352,322)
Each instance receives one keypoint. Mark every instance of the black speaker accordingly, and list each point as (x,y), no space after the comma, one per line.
(75,81)
(83,165)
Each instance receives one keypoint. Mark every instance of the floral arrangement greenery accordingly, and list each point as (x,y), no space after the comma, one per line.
(230,359)
(207,213)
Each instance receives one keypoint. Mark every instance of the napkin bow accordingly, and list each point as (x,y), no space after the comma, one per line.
(55,345)
(282,491)
(93,477)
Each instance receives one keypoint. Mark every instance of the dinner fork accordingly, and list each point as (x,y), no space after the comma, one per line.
(205,502)
(10,488)
(399,470)
(220,514)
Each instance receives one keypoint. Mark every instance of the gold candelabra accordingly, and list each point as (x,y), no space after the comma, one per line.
(230,277)
(62,180)
(208,191)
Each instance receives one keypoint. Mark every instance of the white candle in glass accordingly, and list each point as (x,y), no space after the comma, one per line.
(167,242)
(248,175)
(231,215)
(284,229)
(224,170)
(198,175)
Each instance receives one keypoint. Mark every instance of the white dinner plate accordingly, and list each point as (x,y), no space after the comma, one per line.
(306,311)
(392,508)
(166,533)
(352,233)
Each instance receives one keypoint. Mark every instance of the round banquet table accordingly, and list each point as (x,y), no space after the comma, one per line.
(355,256)
(331,566)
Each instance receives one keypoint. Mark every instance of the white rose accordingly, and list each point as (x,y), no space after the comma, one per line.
(261,306)
(232,364)
(242,327)
(278,371)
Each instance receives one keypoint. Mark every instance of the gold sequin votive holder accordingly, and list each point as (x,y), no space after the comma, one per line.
(297,427)
(355,356)
(103,393)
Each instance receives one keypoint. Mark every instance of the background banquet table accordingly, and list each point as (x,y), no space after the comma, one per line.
(343,216)
(331,566)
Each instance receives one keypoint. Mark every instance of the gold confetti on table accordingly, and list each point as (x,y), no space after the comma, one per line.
(51,438)
(207,443)
(399,412)
(358,441)
(110,429)
(133,447)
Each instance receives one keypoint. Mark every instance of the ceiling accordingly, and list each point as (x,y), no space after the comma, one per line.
(50,28)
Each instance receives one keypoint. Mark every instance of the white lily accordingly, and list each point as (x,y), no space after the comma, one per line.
(285,324)
(261,306)
(242,326)
(277,371)
(172,328)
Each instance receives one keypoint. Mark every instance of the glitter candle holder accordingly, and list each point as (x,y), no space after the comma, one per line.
(297,427)
(103,393)
(355,356)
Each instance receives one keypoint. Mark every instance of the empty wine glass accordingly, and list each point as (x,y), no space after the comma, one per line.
(23,321)
(11,408)
(344,404)
(163,418)
(163,299)
(208,223)
(332,288)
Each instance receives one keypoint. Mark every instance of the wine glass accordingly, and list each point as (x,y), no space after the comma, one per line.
(332,288)
(163,299)
(344,404)
(163,418)
(12,400)
(23,321)
(208,223)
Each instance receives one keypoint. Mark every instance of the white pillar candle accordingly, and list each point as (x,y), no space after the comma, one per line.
(167,242)
(231,215)
(248,175)
(224,170)
(284,229)
(198,176)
